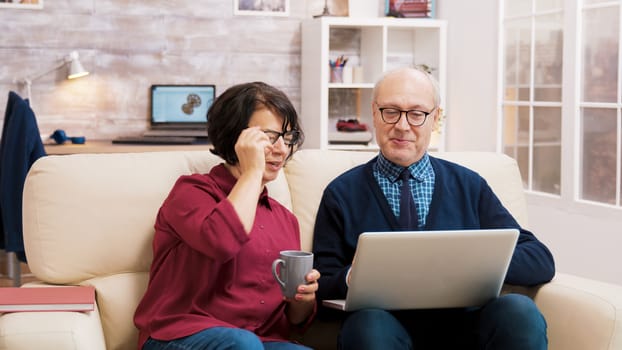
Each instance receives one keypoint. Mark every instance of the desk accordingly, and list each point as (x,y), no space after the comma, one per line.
(106,146)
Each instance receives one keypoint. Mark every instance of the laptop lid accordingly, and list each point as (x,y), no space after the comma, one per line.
(428,269)
(181,106)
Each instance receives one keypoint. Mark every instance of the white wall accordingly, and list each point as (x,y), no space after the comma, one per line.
(585,239)
(471,74)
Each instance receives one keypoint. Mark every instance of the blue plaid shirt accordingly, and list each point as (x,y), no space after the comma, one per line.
(421,184)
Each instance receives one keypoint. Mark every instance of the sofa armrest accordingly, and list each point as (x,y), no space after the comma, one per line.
(581,313)
(51,330)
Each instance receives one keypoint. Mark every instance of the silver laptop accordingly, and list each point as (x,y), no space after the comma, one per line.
(428,269)
(178,114)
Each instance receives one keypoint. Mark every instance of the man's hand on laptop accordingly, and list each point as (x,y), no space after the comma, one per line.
(348,273)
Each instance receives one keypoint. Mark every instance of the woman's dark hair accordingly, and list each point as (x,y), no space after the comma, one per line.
(232,110)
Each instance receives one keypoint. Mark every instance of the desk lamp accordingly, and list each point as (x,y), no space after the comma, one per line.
(75,70)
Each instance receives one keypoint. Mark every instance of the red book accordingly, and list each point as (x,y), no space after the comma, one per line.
(66,298)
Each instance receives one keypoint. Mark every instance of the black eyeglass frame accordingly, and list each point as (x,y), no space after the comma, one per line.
(425,115)
(275,135)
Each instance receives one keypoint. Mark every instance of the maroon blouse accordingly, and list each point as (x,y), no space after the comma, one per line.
(207,272)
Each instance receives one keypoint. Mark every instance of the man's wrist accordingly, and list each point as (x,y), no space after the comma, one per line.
(348,276)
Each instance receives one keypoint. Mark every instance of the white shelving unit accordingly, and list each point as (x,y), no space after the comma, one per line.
(373,44)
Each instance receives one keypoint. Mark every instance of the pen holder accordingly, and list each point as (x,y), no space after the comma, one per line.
(336,74)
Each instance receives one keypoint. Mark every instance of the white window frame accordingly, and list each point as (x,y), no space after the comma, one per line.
(568,200)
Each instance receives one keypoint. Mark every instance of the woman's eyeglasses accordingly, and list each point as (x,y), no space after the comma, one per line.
(290,137)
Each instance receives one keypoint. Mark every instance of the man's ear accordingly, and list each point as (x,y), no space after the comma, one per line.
(439,118)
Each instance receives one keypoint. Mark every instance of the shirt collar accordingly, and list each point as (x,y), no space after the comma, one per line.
(418,170)
(225,180)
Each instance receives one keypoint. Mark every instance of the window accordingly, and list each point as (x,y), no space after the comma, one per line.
(533,39)
(599,101)
(535,94)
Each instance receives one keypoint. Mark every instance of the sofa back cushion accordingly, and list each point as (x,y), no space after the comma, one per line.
(88,219)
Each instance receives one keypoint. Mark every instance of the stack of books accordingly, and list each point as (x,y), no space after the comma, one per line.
(410,8)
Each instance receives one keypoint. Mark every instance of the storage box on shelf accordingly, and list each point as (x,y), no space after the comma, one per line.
(372,46)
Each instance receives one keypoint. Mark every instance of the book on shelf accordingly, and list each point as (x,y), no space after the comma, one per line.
(410,8)
(65,298)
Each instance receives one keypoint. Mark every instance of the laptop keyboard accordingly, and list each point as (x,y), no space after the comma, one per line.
(157,140)
(176,132)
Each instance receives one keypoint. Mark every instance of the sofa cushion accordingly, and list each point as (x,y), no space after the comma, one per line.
(75,230)
(592,322)
(57,330)
(118,296)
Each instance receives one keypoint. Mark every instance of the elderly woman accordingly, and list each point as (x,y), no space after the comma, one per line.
(216,235)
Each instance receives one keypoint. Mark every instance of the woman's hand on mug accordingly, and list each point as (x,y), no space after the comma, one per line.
(306,292)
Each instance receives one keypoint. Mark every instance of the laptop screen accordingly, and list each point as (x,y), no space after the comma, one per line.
(181,105)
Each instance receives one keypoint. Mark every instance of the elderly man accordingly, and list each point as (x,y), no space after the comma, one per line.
(445,196)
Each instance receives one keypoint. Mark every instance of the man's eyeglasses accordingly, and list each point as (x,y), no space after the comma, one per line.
(413,116)
(289,137)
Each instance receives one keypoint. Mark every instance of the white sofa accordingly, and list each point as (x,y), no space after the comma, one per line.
(88,220)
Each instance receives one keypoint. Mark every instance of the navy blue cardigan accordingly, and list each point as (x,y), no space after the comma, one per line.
(354,203)
(20,147)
